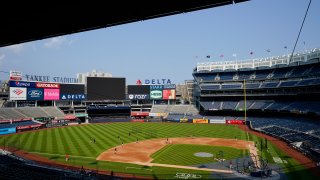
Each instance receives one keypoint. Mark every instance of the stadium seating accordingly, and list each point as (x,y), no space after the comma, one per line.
(182,109)
(30,112)
(12,167)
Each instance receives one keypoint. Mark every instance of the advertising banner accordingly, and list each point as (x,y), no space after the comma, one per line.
(72,96)
(15,75)
(153,114)
(51,94)
(139,113)
(138,96)
(21,84)
(169,94)
(157,81)
(169,86)
(47,85)
(234,122)
(184,120)
(69,117)
(7,130)
(5,121)
(29,127)
(18,93)
(35,94)
(156,87)
(200,121)
(137,120)
(217,121)
(156,94)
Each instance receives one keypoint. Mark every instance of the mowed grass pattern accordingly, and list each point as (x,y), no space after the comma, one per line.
(183,154)
(76,141)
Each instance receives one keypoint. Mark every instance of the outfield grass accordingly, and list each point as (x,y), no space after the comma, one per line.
(76,141)
(183,154)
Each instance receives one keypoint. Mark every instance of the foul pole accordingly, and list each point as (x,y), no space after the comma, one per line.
(245,101)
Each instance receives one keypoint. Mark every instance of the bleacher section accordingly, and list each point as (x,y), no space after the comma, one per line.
(183,109)
(290,129)
(30,112)
(12,167)
(300,106)
(53,111)
(1,103)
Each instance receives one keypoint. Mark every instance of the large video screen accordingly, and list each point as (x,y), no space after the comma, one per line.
(138,89)
(72,88)
(105,88)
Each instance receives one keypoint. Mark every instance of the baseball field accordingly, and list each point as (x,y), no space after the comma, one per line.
(86,146)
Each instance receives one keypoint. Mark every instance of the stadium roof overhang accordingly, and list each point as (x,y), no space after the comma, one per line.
(49,19)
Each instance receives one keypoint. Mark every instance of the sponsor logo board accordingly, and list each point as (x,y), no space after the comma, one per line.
(169,94)
(28,127)
(15,75)
(18,93)
(234,121)
(35,94)
(156,94)
(153,114)
(169,86)
(72,96)
(156,87)
(51,94)
(47,85)
(139,113)
(217,121)
(137,120)
(157,81)
(21,84)
(183,120)
(200,121)
(138,96)
(138,82)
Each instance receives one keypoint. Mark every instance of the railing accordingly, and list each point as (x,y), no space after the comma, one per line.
(258,62)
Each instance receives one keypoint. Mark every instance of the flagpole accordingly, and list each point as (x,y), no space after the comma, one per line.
(287,53)
(237,62)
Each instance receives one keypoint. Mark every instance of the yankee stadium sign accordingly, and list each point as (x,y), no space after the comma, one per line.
(51,79)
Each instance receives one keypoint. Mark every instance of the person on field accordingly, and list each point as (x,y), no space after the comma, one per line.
(67,157)
(115,150)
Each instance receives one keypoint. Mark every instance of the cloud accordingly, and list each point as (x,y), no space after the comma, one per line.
(57,42)
(15,48)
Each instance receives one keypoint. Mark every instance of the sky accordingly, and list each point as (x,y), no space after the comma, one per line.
(170,47)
